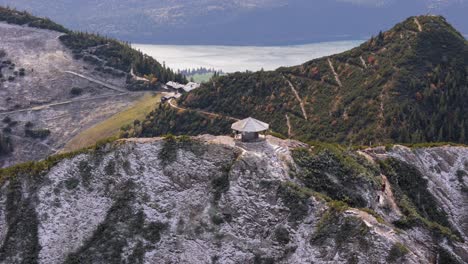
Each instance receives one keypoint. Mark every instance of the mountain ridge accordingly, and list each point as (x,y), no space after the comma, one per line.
(406,85)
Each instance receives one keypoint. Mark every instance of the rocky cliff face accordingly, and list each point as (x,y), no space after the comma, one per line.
(212,200)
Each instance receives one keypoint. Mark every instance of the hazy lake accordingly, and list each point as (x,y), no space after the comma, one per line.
(241,58)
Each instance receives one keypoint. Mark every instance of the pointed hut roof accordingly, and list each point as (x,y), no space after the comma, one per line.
(250,125)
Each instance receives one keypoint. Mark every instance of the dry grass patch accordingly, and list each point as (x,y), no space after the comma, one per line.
(111,127)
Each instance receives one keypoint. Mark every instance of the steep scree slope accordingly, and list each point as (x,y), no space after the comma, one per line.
(55,83)
(213,200)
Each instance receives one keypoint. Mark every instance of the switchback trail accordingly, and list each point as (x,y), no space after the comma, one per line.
(107,85)
(42,107)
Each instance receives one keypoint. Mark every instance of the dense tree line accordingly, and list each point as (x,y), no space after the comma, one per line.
(166,120)
(119,55)
(199,70)
(13,16)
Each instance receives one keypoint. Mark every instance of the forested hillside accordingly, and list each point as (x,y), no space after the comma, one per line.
(24,18)
(169,120)
(406,85)
(107,52)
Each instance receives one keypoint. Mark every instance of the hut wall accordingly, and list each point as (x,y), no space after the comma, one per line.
(249,136)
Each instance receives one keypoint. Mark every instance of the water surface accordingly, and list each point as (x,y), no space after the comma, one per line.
(241,58)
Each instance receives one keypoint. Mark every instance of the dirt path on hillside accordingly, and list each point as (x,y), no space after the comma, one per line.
(42,107)
(420,28)
(138,78)
(213,115)
(337,77)
(296,94)
(107,85)
(363,62)
(288,123)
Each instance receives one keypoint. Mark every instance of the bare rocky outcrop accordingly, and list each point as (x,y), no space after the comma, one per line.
(215,200)
(445,169)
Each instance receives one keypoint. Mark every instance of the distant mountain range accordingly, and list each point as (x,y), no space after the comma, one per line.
(239,22)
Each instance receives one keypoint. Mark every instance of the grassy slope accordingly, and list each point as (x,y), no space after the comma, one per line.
(111,127)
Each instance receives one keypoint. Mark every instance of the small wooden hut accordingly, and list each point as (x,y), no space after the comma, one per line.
(250,129)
